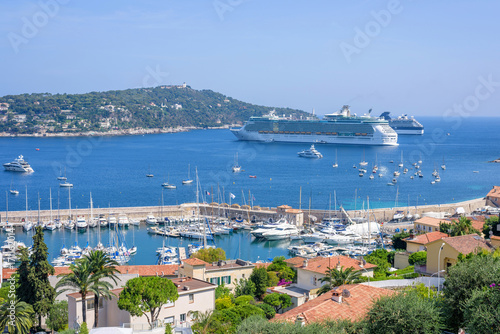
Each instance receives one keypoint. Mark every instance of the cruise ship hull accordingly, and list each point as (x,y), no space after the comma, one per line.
(376,139)
(409,131)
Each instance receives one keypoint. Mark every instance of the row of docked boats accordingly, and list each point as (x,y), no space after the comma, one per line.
(68,256)
(81,223)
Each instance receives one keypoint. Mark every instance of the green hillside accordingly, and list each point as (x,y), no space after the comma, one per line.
(159,107)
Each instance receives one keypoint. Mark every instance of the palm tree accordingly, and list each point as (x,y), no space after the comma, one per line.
(82,280)
(201,320)
(21,322)
(336,277)
(105,267)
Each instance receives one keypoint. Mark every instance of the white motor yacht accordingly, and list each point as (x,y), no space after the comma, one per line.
(18,165)
(311,238)
(123,220)
(151,220)
(281,232)
(111,220)
(310,153)
(81,223)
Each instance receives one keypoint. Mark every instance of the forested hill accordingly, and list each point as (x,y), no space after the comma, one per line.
(159,107)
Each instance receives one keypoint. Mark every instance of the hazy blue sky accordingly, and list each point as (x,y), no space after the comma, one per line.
(414,57)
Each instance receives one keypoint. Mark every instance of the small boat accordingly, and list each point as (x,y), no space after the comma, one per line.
(66,185)
(335,165)
(61,177)
(475,171)
(236,168)
(433,182)
(81,224)
(363,163)
(252,176)
(134,222)
(310,153)
(37,149)
(394,180)
(188,180)
(14,192)
(149,172)
(168,185)
(151,220)
(361,174)
(371,177)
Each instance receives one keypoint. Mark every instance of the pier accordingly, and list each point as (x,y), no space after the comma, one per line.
(190,210)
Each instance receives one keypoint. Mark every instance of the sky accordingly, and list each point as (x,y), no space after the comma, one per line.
(428,58)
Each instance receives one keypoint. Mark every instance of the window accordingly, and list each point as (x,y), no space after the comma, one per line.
(90,304)
(243,275)
(226,279)
(183,317)
(169,320)
(213,280)
(191,298)
(169,304)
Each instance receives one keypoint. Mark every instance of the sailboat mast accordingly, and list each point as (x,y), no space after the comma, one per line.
(300,197)
(69,200)
(7,207)
(50,198)
(38,194)
(26,187)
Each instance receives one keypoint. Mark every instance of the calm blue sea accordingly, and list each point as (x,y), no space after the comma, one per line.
(114,169)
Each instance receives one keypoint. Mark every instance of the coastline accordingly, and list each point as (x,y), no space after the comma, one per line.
(121,132)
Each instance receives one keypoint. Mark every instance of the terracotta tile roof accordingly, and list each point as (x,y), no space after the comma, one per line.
(495,192)
(295,261)
(323,307)
(423,239)
(466,244)
(143,270)
(260,265)
(320,264)
(195,262)
(430,221)
(494,237)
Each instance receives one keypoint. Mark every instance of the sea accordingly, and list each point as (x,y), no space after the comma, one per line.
(113,169)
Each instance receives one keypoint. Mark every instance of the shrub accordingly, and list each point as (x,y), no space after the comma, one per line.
(418,258)
(83,329)
(245,299)
(269,311)
(223,303)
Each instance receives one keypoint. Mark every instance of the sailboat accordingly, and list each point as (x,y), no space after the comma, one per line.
(61,177)
(13,191)
(188,180)
(443,166)
(167,184)
(149,172)
(28,225)
(399,214)
(363,163)
(335,165)
(401,163)
(236,167)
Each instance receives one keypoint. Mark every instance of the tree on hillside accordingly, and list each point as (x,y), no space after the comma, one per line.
(418,258)
(34,286)
(463,279)
(336,277)
(482,310)
(491,224)
(101,266)
(397,240)
(260,279)
(279,301)
(210,255)
(461,227)
(81,279)
(18,321)
(146,296)
(404,313)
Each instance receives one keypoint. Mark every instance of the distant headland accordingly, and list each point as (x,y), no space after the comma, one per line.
(162,109)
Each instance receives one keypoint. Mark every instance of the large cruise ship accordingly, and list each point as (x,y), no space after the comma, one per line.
(404,125)
(338,128)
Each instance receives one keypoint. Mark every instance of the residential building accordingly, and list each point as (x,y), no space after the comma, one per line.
(194,295)
(310,271)
(439,259)
(350,302)
(495,241)
(221,272)
(428,224)
(493,197)
(415,243)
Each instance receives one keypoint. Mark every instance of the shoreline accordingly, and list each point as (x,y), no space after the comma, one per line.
(121,132)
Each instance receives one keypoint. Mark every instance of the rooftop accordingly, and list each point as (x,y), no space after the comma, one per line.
(194,262)
(466,244)
(495,192)
(430,221)
(320,264)
(228,264)
(423,239)
(323,307)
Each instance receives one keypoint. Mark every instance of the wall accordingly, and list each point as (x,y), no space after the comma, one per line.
(401,260)
(448,256)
